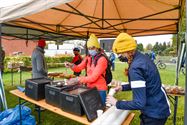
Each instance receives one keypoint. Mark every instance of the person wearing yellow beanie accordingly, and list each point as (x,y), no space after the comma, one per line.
(93,42)
(96,65)
(144,80)
(124,43)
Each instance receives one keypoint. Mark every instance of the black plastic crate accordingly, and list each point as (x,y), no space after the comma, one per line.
(52,93)
(70,102)
(35,88)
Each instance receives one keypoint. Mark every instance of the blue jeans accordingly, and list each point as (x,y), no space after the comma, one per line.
(113,66)
(103,96)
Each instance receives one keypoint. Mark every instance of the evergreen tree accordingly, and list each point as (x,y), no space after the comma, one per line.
(140,47)
(164,46)
(156,48)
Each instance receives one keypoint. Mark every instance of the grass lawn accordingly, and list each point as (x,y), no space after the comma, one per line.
(49,118)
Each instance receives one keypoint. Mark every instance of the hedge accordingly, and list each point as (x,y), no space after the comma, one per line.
(52,62)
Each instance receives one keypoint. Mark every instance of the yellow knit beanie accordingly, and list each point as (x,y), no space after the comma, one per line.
(93,41)
(124,43)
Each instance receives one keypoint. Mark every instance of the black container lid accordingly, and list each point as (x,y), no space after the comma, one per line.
(91,102)
(40,80)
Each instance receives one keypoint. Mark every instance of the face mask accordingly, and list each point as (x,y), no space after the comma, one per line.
(92,52)
(122,59)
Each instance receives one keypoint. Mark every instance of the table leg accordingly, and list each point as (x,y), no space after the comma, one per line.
(20,111)
(20,77)
(175,110)
(12,76)
(39,115)
(172,100)
(38,109)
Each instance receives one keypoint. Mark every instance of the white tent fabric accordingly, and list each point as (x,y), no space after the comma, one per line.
(27,7)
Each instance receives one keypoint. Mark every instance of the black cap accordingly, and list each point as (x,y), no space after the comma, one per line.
(76,49)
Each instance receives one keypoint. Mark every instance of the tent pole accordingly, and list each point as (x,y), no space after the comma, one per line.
(2,91)
(185,106)
(0,36)
(0,44)
(103,13)
(87,37)
(1,100)
(176,83)
(185,102)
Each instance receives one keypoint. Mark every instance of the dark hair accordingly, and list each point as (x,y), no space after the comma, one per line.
(76,49)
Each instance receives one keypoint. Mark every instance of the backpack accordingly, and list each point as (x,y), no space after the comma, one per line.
(78,61)
(108,75)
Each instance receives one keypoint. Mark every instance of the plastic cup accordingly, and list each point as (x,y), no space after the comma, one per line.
(99,112)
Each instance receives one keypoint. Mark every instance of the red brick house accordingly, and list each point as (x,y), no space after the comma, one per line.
(14,46)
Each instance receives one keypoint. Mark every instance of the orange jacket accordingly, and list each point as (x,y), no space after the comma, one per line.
(94,76)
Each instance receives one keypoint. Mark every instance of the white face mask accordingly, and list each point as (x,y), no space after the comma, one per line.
(92,52)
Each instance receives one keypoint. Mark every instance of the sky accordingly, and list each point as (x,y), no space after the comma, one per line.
(145,40)
(153,39)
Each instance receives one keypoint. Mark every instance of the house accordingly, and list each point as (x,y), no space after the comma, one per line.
(14,46)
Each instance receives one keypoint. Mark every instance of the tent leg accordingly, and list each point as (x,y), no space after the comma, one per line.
(2,91)
(0,40)
(176,83)
(1,103)
(185,102)
(175,110)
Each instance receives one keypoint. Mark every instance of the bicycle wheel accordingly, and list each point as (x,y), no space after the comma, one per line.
(161,66)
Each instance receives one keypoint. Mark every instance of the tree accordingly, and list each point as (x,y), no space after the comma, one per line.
(164,46)
(156,48)
(149,47)
(140,47)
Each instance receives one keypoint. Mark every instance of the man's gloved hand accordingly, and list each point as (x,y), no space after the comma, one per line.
(111,100)
(68,64)
(73,81)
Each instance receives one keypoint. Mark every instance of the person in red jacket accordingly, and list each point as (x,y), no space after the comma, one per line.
(77,59)
(95,73)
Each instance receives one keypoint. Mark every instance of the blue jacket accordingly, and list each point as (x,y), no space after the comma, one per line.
(148,95)
(112,57)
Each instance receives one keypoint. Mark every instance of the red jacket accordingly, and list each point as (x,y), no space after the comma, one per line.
(77,59)
(94,76)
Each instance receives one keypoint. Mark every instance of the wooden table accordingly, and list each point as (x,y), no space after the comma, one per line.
(43,104)
(174,100)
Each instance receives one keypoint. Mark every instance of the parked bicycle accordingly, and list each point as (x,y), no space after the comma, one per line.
(160,64)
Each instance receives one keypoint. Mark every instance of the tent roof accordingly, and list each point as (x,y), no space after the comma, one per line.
(106,18)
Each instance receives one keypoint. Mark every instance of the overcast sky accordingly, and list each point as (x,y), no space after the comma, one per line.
(145,40)
(153,39)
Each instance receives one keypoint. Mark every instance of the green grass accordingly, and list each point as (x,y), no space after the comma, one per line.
(49,118)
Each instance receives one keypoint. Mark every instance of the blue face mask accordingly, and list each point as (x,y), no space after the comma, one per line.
(92,52)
